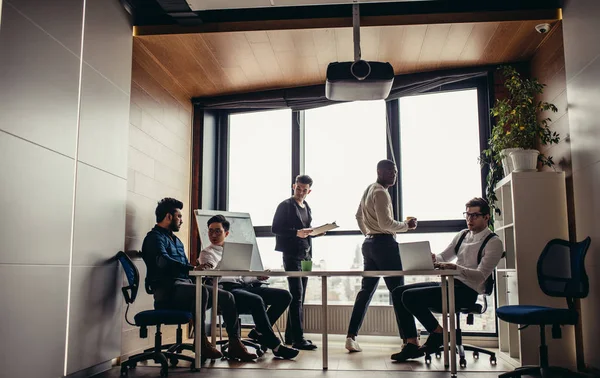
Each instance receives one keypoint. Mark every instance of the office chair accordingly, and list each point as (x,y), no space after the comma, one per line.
(224,344)
(148,318)
(561,273)
(475,309)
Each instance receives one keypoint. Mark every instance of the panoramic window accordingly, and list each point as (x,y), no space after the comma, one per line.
(342,143)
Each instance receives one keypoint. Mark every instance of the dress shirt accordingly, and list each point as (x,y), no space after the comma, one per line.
(165,257)
(473,274)
(375,214)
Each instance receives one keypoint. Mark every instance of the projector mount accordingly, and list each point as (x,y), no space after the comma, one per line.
(360,69)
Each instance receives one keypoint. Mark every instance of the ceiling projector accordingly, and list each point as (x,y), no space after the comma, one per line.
(358,80)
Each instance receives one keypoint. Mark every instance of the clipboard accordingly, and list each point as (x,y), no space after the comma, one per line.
(324,228)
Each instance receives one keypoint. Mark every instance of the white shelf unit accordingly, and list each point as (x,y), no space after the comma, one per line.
(533,211)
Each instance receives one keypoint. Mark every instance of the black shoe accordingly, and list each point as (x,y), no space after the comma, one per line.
(304,345)
(409,351)
(255,335)
(286,353)
(433,343)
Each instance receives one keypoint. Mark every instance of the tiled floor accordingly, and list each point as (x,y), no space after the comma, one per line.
(375,359)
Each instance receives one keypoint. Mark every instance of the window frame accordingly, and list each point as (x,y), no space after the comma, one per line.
(484,86)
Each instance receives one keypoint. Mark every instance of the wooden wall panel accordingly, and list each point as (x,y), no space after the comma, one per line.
(547,65)
(159,162)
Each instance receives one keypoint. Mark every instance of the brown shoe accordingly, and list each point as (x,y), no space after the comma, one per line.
(208,351)
(238,351)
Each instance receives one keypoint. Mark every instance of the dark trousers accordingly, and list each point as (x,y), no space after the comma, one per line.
(266,306)
(414,301)
(182,296)
(294,329)
(380,253)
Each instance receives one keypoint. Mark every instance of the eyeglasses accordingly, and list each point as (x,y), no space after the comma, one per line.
(215,231)
(472,215)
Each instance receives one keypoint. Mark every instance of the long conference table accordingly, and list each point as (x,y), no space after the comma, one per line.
(447,281)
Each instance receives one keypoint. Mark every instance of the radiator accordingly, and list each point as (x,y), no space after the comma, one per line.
(380,320)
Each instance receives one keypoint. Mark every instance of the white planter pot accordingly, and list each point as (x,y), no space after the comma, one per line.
(524,160)
(507,164)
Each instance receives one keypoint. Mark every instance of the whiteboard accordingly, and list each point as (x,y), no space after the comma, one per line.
(240,231)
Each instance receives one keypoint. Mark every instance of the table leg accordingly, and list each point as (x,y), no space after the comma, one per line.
(198,323)
(213,313)
(445,320)
(324,313)
(452,319)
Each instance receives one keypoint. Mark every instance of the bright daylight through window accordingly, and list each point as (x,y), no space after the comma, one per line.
(439,172)
(260,163)
(439,136)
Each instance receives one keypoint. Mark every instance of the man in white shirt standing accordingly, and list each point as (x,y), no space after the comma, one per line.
(248,292)
(414,301)
(375,217)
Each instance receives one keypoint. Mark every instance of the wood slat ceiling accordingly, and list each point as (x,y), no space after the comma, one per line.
(212,64)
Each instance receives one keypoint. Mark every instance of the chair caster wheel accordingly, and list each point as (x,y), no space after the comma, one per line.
(173,362)
(264,348)
(463,363)
(194,369)
(476,355)
(493,360)
(428,359)
(438,355)
(259,352)
(164,372)
(124,371)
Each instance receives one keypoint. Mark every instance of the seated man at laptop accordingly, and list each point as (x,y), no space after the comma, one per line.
(248,292)
(168,276)
(415,300)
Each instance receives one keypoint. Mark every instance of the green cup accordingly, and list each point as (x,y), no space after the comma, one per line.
(306,266)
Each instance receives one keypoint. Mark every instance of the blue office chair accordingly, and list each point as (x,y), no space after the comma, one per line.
(561,273)
(155,318)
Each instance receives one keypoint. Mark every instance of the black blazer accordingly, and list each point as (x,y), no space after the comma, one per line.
(286,223)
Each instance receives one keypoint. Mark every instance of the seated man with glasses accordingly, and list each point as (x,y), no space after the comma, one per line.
(248,292)
(415,300)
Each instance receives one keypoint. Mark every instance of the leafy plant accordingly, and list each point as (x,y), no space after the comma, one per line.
(517,125)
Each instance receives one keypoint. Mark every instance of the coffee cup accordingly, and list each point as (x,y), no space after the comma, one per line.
(306,266)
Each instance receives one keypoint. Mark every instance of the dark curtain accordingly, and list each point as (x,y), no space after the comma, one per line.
(302,98)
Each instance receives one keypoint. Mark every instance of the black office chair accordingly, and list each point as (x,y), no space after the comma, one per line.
(224,344)
(475,309)
(561,273)
(155,318)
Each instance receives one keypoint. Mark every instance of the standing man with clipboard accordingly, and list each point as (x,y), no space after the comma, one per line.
(375,217)
(291,226)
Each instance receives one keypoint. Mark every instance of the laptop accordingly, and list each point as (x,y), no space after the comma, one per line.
(416,255)
(236,256)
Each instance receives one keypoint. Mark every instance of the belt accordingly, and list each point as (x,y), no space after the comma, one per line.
(373,236)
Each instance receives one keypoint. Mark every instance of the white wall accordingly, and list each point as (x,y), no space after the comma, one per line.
(65,76)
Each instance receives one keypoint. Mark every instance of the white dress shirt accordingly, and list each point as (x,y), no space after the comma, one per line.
(375,214)
(473,274)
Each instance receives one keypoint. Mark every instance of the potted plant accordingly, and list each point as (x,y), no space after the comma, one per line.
(517,130)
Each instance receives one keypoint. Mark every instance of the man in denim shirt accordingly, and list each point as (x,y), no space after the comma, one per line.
(173,288)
